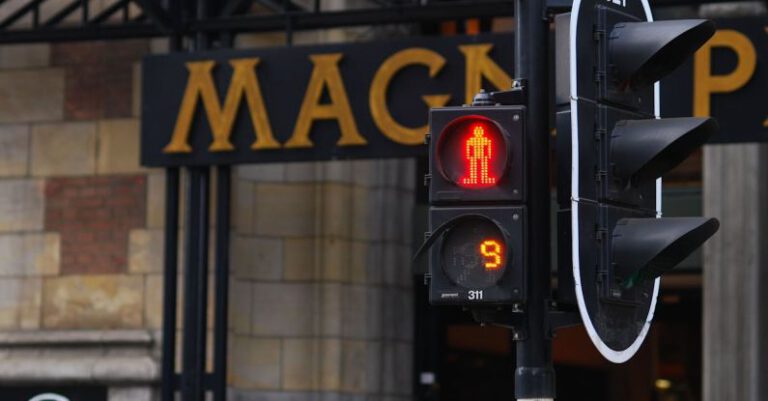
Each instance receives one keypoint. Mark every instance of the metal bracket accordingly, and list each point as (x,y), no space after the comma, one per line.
(518,95)
(559,319)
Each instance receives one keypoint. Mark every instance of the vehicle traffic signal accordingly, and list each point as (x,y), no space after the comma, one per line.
(613,148)
(476,218)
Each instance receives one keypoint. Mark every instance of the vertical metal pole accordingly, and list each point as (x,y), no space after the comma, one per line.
(534,376)
(169,383)
(196,273)
(170,283)
(195,285)
(223,191)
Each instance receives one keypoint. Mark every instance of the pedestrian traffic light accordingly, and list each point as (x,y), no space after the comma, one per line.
(613,147)
(476,219)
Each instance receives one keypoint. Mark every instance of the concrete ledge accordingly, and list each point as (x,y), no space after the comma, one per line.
(123,357)
(81,338)
(123,371)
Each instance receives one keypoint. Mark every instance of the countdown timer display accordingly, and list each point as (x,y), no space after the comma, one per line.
(474,254)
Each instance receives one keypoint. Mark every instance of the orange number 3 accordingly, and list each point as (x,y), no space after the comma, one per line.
(491,250)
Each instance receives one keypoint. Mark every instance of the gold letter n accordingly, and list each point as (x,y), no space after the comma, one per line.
(200,84)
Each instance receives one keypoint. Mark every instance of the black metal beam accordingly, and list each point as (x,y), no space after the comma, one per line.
(109,12)
(170,283)
(221,303)
(63,13)
(157,14)
(195,285)
(348,18)
(95,32)
(21,12)
(234,7)
(280,6)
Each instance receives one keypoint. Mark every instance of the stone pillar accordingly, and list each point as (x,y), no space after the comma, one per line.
(736,273)
(321,288)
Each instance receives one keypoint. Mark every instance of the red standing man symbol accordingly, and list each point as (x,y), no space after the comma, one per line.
(478,153)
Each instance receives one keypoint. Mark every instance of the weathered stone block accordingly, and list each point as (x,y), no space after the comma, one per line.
(240,304)
(272,172)
(303,172)
(330,365)
(299,259)
(31,95)
(376,266)
(363,172)
(14,149)
(336,259)
(257,258)
(156,200)
(64,149)
(358,272)
(337,218)
(300,364)
(354,366)
(242,215)
(283,309)
(153,301)
(96,301)
(373,367)
(340,171)
(284,210)
(20,303)
(21,205)
(254,363)
(29,254)
(330,309)
(374,323)
(118,147)
(311,364)
(130,394)
(354,311)
(25,56)
(145,251)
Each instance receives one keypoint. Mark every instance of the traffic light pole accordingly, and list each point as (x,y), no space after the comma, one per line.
(535,376)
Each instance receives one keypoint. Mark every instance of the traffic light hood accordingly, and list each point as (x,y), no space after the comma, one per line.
(646,248)
(644,52)
(646,149)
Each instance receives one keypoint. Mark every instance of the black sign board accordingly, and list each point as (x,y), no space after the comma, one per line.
(45,393)
(370,100)
(367,100)
(728,80)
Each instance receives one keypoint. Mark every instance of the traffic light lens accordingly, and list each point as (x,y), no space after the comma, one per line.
(474,254)
(472,152)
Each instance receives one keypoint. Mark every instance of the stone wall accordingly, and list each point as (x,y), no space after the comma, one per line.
(321,297)
(71,191)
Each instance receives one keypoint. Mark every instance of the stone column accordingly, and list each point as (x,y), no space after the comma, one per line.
(736,273)
(321,293)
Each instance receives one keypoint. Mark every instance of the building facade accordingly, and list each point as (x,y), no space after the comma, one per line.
(321,290)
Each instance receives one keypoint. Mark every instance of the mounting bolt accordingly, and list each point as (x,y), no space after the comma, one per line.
(483,98)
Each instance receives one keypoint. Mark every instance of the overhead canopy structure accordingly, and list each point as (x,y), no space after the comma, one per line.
(41,21)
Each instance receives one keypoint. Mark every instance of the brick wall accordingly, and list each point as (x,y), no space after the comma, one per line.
(72,195)
(320,286)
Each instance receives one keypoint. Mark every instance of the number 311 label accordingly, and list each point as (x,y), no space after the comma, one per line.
(475,295)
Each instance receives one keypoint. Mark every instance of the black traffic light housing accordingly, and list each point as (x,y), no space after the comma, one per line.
(612,150)
(477,218)
(458,275)
(508,121)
